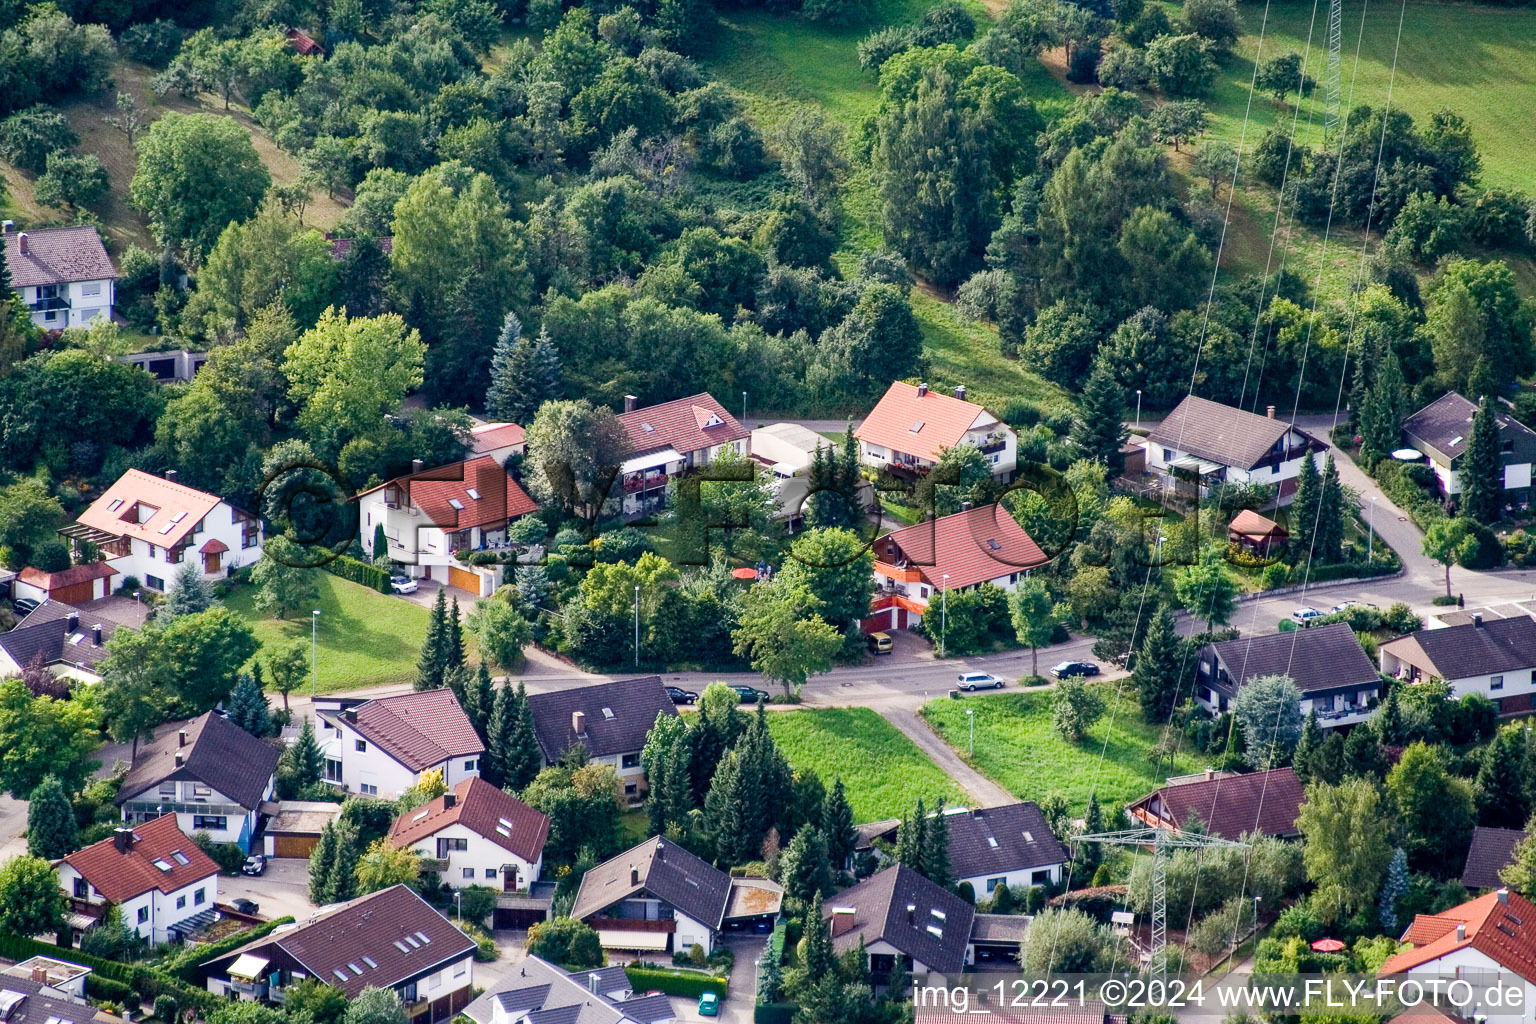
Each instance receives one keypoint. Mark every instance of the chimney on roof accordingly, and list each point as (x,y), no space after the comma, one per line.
(922,389)
(960,392)
(634,875)
(579,723)
(71,623)
(96,635)
(1461,931)
(181,737)
(1477,620)
(1503,895)
(629,403)
(170,475)
(181,759)
(842,920)
(8,227)
(40,974)
(592,980)
(450,800)
(965,506)
(1210,773)
(21,243)
(1270,412)
(122,839)
(417,466)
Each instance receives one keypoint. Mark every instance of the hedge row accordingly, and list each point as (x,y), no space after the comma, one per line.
(675,983)
(100,987)
(774,1013)
(186,963)
(349,568)
(147,982)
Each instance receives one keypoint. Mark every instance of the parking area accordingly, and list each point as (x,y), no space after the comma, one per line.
(737,1006)
(282,891)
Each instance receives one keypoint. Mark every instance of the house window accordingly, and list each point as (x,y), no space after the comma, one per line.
(177,554)
(143,915)
(199,897)
(210,822)
(167,791)
(181,902)
(922,591)
(459,968)
(630,761)
(993,883)
(490,872)
(368,789)
(1040,877)
(447,846)
(471,764)
(1167,454)
(332,770)
(1495,682)
(82,889)
(361,746)
(91,288)
(469,873)
(630,789)
(250,528)
(154,583)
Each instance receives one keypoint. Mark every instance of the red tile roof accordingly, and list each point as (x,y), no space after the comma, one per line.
(1501,925)
(490,436)
(57,256)
(213,547)
(68,577)
(940,421)
(685,425)
(1264,802)
(1250,524)
(420,730)
(302,43)
(487,811)
(496,497)
(971,547)
(122,876)
(177,509)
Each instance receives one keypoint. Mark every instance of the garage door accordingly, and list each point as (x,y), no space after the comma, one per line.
(517,917)
(294,846)
(464,580)
(75,593)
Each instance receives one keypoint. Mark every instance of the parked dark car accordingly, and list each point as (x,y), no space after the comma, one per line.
(245,906)
(751,694)
(255,864)
(1068,669)
(682,696)
(24,606)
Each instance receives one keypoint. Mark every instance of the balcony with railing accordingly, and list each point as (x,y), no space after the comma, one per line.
(49,304)
(644,481)
(990,444)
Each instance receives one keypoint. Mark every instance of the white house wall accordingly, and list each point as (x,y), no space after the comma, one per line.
(239,823)
(88,300)
(1481,969)
(160,911)
(481,856)
(148,563)
(982,885)
(374,768)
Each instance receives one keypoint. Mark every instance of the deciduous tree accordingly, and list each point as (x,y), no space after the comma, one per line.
(51,829)
(197,173)
(31,900)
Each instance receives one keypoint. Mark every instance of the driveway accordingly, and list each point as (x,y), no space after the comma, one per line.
(742,994)
(282,891)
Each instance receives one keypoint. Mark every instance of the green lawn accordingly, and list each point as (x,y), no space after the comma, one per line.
(364,637)
(1017,747)
(884,772)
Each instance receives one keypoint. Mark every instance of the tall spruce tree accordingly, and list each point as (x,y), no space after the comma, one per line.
(322,858)
(523,756)
(51,829)
(1099,432)
(935,852)
(1157,668)
(1393,888)
(482,698)
(453,640)
(525,373)
(837,825)
(1330,518)
(1091,855)
(501,393)
(1482,468)
(1502,788)
(1382,409)
(909,838)
(817,956)
(247,705)
(344,864)
(1306,504)
(498,738)
(670,797)
(1311,739)
(429,665)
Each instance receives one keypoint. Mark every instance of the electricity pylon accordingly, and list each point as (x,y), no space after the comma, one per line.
(1333,74)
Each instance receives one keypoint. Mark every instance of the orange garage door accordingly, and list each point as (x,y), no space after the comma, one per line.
(464,580)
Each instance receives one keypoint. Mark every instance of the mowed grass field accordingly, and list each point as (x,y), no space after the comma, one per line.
(364,638)
(1017,747)
(883,771)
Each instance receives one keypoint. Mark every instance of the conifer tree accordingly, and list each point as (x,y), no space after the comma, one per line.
(1363,756)
(1382,409)
(935,853)
(501,394)
(247,705)
(429,666)
(1099,432)
(1311,739)
(1306,503)
(523,757)
(498,738)
(322,858)
(1393,888)
(909,839)
(302,764)
(190,595)
(818,958)
(1503,783)
(1330,521)
(837,825)
(344,865)
(453,640)
(380,541)
(525,373)
(1156,673)
(805,871)
(1482,469)
(1090,855)
(728,810)
(51,829)
(482,697)
(1389,721)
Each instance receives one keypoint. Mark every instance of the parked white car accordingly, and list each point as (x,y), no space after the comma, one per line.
(1347,605)
(973,681)
(403,584)
(1302,616)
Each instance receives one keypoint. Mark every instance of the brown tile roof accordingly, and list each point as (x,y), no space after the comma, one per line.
(1318,659)
(122,876)
(51,581)
(1220,433)
(490,436)
(992,840)
(1263,802)
(444,494)
(922,425)
(972,546)
(387,927)
(1250,524)
(664,870)
(1444,426)
(177,509)
(46,632)
(935,932)
(1492,850)
(302,43)
(686,425)
(341,246)
(1457,652)
(617,716)
(57,256)
(1501,925)
(217,753)
(487,811)
(420,730)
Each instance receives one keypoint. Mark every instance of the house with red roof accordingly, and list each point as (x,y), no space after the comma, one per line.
(500,441)
(382,747)
(163,883)
(670,439)
(433,517)
(916,565)
(1491,939)
(63,275)
(481,835)
(910,427)
(148,527)
(1231,806)
(75,585)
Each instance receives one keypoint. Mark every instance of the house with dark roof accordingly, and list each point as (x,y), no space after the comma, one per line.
(434,517)
(388,939)
(915,565)
(910,427)
(609,720)
(1442,429)
(42,990)
(209,772)
(382,747)
(1492,850)
(1496,658)
(658,897)
(1230,805)
(538,992)
(479,834)
(147,527)
(68,641)
(1202,442)
(1327,664)
(671,439)
(1491,937)
(63,275)
(1009,845)
(153,872)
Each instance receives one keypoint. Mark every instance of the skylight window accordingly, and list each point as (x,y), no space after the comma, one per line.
(402,947)
(423,937)
(992,842)
(77,638)
(167,528)
(341,975)
(505,822)
(472,493)
(180,858)
(411,939)
(502,830)
(419,815)
(936,931)
(163,865)
(608,713)
(1456,440)
(116,504)
(914,428)
(938,913)
(647,428)
(370,961)
(458,506)
(178,517)
(1028,837)
(356,970)
(994,545)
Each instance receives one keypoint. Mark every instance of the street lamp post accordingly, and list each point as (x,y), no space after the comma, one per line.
(943,613)
(1138,408)
(314,633)
(743,408)
(970,716)
(1370,530)
(458,901)
(637,625)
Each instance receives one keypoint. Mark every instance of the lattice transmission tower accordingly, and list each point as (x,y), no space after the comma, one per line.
(1334,75)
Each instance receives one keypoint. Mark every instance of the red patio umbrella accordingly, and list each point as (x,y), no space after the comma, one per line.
(1328,945)
(744,573)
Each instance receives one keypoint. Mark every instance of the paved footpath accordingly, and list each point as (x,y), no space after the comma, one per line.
(984,792)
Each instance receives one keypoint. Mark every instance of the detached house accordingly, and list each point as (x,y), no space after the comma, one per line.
(1009,845)
(152,871)
(1496,659)
(1230,805)
(388,939)
(1202,442)
(63,275)
(909,428)
(659,897)
(147,527)
(499,441)
(210,773)
(382,747)
(538,992)
(915,565)
(1492,850)
(668,440)
(480,834)
(68,641)
(1488,940)
(1327,664)
(1442,429)
(432,516)
(609,720)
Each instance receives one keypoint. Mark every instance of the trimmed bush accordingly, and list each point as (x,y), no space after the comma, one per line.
(349,568)
(184,963)
(99,987)
(147,982)
(691,984)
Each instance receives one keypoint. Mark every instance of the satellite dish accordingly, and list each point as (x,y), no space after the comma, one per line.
(1407,455)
